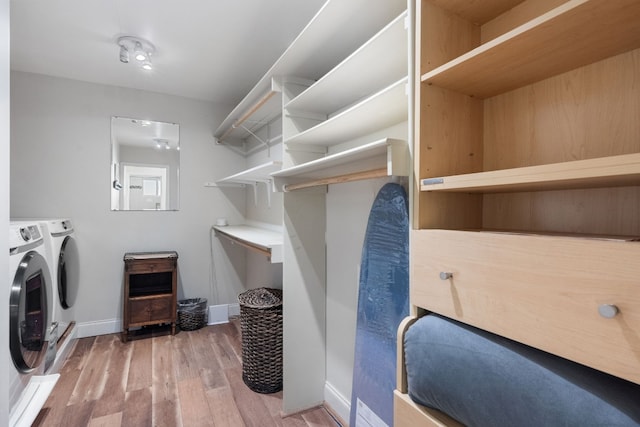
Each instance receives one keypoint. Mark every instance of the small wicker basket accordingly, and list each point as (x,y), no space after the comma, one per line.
(192,313)
(261,326)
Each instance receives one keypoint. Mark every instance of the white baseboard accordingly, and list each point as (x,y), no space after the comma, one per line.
(221,313)
(218,314)
(100,327)
(234,310)
(340,405)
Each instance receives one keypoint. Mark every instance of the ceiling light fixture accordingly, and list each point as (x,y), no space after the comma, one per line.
(141,50)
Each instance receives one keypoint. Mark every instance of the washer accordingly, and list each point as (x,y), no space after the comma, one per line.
(31,334)
(63,260)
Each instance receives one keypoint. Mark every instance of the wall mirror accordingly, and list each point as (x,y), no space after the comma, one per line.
(145,165)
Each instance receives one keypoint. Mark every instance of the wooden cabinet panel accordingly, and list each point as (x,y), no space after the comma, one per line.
(546,291)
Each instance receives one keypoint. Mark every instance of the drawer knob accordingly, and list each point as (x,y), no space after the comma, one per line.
(608,311)
(445,275)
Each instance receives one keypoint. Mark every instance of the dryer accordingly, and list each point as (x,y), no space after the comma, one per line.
(31,333)
(63,260)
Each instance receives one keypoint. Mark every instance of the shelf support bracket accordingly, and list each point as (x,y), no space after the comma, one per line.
(260,140)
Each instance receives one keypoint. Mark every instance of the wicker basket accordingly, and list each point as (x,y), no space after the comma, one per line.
(261,325)
(192,313)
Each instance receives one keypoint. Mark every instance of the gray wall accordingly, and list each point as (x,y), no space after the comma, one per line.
(60,167)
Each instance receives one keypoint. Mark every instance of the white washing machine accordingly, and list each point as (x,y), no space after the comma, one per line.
(31,333)
(63,260)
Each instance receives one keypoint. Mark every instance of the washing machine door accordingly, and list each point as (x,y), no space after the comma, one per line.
(29,312)
(68,272)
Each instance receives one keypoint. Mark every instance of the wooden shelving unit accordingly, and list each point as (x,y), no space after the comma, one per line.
(613,171)
(385,157)
(560,40)
(527,162)
(261,240)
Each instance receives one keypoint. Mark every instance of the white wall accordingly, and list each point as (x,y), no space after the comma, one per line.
(5,359)
(60,167)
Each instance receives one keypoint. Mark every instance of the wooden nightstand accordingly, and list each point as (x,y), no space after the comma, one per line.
(150,283)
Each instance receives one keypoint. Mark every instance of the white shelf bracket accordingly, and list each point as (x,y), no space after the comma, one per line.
(260,140)
(254,185)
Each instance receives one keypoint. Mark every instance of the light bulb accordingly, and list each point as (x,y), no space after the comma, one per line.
(139,53)
(124,54)
(147,65)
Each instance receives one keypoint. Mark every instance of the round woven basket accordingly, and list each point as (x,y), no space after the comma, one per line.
(192,313)
(261,326)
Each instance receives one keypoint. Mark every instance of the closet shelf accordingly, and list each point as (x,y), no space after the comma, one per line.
(331,26)
(264,110)
(563,39)
(352,80)
(253,177)
(261,240)
(261,173)
(385,157)
(383,109)
(612,171)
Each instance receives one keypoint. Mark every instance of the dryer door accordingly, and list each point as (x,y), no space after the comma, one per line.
(68,272)
(29,312)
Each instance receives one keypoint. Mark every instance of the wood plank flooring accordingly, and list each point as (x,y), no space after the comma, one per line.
(190,379)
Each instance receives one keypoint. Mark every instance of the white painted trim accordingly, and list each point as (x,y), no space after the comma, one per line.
(100,327)
(234,310)
(339,404)
(218,314)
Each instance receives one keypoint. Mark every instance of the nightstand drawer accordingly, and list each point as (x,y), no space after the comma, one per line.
(150,266)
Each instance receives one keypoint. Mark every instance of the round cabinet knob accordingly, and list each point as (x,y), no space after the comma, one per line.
(608,311)
(445,275)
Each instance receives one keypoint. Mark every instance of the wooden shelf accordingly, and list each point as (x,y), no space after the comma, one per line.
(260,173)
(351,80)
(261,240)
(383,109)
(612,171)
(389,155)
(574,34)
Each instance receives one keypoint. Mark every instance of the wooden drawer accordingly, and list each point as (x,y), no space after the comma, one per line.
(149,310)
(150,266)
(544,291)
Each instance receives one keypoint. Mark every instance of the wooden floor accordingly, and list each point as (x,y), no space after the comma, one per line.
(191,379)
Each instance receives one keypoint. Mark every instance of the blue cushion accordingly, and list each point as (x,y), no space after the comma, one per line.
(481,379)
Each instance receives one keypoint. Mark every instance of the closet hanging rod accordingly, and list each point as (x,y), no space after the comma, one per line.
(248,114)
(356,176)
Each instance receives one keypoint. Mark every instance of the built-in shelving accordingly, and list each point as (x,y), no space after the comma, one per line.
(307,57)
(560,40)
(385,157)
(352,79)
(610,171)
(264,241)
(260,174)
(263,111)
(382,109)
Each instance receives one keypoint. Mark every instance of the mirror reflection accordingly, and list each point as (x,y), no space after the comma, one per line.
(145,165)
